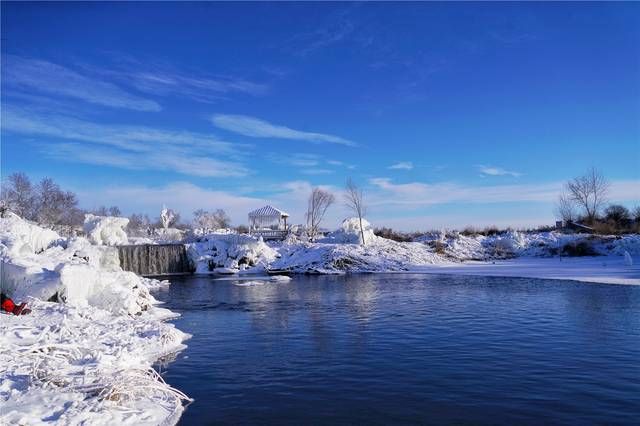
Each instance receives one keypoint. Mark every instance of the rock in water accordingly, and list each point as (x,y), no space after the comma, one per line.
(627,259)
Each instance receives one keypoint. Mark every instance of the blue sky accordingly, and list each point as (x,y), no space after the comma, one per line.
(447,114)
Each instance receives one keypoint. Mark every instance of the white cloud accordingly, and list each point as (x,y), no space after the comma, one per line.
(183,196)
(423,194)
(131,147)
(52,79)
(403,165)
(496,171)
(162,82)
(257,128)
(316,171)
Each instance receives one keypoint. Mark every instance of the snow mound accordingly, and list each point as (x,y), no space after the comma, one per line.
(230,251)
(106,230)
(37,263)
(349,233)
(20,237)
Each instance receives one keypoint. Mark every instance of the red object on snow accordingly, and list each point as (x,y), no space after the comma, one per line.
(8,305)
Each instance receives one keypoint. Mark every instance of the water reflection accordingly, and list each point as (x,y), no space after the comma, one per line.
(407,349)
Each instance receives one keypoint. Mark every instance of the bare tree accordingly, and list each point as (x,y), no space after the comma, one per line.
(18,195)
(107,211)
(54,206)
(209,221)
(566,209)
(355,203)
(589,192)
(319,202)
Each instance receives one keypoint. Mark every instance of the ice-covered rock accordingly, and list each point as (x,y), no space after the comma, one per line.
(106,230)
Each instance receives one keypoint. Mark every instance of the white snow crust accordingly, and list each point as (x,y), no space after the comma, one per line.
(105,230)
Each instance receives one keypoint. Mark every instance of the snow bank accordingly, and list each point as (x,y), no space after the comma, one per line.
(349,233)
(230,252)
(106,230)
(523,244)
(87,360)
(67,365)
(38,263)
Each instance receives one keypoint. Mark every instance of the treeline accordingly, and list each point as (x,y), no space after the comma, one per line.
(49,205)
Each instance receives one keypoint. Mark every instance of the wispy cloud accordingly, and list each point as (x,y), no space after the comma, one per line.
(496,171)
(257,128)
(403,165)
(422,194)
(316,171)
(53,79)
(131,147)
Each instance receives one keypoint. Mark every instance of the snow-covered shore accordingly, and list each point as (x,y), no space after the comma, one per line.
(599,269)
(87,360)
(538,255)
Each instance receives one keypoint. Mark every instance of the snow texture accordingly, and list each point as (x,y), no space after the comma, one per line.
(87,360)
(105,230)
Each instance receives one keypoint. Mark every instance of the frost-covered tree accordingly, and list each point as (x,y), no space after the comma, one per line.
(319,202)
(138,222)
(19,195)
(168,217)
(205,220)
(107,211)
(55,206)
(589,192)
(354,202)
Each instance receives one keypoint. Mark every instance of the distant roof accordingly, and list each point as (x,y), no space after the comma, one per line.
(268,211)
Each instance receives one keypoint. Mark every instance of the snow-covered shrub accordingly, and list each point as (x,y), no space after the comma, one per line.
(349,233)
(106,230)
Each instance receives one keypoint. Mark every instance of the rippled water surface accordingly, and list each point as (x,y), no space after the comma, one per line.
(381,349)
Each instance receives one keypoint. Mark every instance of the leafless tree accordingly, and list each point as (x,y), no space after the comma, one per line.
(107,211)
(354,202)
(319,202)
(589,191)
(211,220)
(566,209)
(18,195)
(54,206)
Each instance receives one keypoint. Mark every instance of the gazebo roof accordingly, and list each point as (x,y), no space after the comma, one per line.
(268,211)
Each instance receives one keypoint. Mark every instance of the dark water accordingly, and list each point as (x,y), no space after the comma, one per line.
(407,349)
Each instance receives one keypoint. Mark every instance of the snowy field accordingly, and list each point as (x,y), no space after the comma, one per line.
(84,355)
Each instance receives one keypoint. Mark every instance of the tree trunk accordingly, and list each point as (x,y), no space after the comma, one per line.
(362,231)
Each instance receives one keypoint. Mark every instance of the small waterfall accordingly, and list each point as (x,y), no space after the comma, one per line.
(155,259)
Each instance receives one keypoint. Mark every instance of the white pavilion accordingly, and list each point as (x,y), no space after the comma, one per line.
(268,222)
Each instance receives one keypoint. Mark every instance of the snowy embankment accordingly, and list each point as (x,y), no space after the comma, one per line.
(531,255)
(84,354)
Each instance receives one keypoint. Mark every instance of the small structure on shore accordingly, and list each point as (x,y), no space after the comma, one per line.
(268,222)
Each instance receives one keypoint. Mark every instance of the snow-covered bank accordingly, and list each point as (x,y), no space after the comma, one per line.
(87,359)
(533,254)
(600,269)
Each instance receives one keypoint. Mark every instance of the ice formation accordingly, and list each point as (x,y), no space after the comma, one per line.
(228,253)
(87,360)
(106,230)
